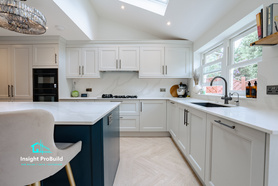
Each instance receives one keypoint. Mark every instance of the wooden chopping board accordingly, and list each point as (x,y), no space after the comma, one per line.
(173,90)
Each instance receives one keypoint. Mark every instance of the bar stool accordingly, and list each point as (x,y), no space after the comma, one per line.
(28,152)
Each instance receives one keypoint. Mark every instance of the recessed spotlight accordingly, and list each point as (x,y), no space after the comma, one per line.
(46,28)
(122,7)
(168,23)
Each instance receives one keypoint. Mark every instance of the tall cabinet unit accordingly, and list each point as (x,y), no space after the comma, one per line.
(45,56)
(16,73)
(82,63)
(124,58)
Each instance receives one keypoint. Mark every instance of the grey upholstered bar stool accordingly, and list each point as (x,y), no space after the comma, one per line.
(29,134)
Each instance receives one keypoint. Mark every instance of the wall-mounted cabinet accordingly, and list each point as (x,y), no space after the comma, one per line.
(82,63)
(45,56)
(16,73)
(124,58)
(165,62)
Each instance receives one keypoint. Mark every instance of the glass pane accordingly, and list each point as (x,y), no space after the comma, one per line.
(242,49)
(242,75)
(208,77)
(214,89)
(212,68)
(217,54)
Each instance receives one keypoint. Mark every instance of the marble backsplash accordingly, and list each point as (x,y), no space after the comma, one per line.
(123,83)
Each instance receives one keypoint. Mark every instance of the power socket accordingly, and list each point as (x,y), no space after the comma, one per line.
(88,89)
(162,89)
(272,89)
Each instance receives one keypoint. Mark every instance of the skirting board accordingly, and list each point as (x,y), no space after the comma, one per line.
(145,134)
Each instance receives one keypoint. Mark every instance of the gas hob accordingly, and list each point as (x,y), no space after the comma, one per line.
(118,96)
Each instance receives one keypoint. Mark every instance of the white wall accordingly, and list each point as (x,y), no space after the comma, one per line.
(109,30)
(267,74)
(122,83)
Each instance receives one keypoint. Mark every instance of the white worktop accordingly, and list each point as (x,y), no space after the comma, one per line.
(66,113)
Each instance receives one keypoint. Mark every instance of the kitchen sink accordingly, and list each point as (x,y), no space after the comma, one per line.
(208,104)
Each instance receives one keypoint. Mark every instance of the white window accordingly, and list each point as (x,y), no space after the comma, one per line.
(212,65)
(244,61)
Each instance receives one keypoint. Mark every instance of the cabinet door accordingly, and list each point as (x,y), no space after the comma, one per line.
(129,58)
(153,116)
(197,141)
(5,81)
(151,62)
(108,58)
(129,123)
(183,129)
(172,119)
(22,72)
(73,62)
(235,156)
(129,108)
(177,62)
(45,55)
(90,63)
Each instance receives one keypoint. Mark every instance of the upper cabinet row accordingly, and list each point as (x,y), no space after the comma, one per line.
(151,62)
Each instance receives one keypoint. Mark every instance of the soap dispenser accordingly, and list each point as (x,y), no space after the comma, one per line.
(249,90)
(254,90)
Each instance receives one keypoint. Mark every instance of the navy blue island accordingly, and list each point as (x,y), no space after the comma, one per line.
(97,126)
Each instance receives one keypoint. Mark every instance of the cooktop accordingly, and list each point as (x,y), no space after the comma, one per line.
(118,96)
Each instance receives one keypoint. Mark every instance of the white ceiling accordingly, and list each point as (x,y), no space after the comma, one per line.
(189,18)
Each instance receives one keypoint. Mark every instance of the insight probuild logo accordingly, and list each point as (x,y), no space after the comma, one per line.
(39,148)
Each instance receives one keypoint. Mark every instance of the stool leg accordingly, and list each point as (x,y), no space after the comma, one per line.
(70,175)
(36,184)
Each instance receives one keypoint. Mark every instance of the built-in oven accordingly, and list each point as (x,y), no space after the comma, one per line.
(45,85)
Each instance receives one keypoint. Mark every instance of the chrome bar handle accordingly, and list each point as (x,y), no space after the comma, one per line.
(9,93)
(219,121)
(82,70)
(166,69)
(186,117)
(120,65)
(163,69)
(117,64)
(141,106)
(12,90)
(55,58)
(79,70)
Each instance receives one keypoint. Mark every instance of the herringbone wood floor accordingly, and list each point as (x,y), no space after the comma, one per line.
(153,162)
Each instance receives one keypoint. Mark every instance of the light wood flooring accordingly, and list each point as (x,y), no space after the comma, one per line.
(152,162)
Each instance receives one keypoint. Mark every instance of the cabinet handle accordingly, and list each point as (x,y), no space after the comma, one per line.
(166,69)
(9,94)
(82,70)
(219,121)
(12,90)
(172,103)
(110,119)
(79,70)
(120,64)
(163,69)
(55,58)
(185,117)
(117,64)
(141,106)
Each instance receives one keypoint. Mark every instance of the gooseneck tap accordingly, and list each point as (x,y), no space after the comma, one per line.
(225,97)
(237,102)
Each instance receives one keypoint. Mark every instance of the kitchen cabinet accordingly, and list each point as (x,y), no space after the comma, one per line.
(153,115)
(45,56)
(197,140)
(82,63)
(183,129)
(16,72)
(172,119)
(168,62)
(129,116)
(124,58)
(235,154)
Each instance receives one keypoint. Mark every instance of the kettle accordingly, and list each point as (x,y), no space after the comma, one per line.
(182,90)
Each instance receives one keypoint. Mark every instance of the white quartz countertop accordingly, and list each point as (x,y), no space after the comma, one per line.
(66,113)
(122,99)
(260,119)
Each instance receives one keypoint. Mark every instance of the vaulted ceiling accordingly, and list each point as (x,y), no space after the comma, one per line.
(190,19)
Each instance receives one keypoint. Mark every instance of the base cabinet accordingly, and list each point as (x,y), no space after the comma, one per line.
(172,119)
(235,156)
(183,129)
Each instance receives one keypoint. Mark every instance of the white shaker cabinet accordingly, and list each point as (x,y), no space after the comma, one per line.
(114,58)
(197,140)
(16,73)
(173,119)
(153,115)
(165,62)
(183,129)
(129,116)
(45,56)
(82,63)
(235,154)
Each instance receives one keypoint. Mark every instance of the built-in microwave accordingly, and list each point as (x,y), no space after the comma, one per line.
(45,85)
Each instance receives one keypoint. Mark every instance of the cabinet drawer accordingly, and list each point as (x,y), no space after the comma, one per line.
(129,108)
(129,123)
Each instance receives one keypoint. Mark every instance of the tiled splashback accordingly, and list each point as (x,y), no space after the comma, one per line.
(118,83)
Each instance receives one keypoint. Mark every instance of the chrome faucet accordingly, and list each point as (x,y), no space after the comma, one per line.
(225,97)
(237,101)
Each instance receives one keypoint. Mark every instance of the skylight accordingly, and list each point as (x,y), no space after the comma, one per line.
(155,6)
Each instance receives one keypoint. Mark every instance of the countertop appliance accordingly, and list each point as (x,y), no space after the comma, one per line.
(118,96)
(182,90)
(45,85)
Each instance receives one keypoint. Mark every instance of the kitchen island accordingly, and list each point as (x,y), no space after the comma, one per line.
(96,125)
